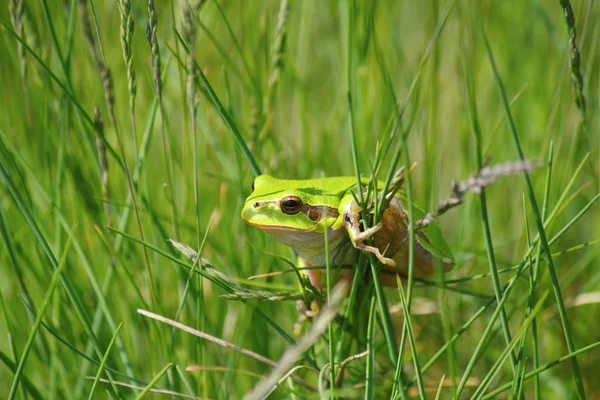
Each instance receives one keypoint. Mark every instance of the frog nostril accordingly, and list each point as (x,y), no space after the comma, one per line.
(256,205)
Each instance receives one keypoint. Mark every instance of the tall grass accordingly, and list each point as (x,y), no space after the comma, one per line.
(126,269)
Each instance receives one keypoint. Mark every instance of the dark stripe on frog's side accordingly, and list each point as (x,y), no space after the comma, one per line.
(314,213)
(317,213)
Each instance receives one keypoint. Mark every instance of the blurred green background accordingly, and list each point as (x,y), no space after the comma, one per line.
(283,80)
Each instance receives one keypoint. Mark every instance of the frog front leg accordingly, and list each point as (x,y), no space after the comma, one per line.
(358,237)
(311,309)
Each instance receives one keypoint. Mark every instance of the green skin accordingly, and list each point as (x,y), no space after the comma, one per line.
(319,205)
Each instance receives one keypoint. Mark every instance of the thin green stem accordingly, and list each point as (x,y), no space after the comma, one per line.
(370,373)
(538,220)
(543,368)
(487,232)
(103,363)
(38,320)
(154,381)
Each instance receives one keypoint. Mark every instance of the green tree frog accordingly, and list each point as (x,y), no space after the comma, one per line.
(297,213)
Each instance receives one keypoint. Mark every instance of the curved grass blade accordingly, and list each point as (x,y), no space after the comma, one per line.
(154,381)
(370,374)
(218,341)
(224,114)
(537,217)
(217,279)
(509,348)
(103,363)
(543,368)
(80,353)
(50,255)
(152,390)
(70,95)
(294,353)
(487,232)
(38,320)
(31,388)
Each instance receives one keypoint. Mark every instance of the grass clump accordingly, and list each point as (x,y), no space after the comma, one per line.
(128,272)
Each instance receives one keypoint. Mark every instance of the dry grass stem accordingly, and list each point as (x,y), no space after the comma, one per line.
(475,183)
(340,372)
(236,292)
(219,342)
(320,324)
(153,390)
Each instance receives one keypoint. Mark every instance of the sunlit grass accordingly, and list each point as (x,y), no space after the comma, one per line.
(126,155)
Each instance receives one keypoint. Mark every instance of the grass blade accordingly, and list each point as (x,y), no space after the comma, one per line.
(226,117)
(543,368)
(538,219)
(31,388)
(487,232)
(370,375)
(38,320)
(154,381)
(104,360)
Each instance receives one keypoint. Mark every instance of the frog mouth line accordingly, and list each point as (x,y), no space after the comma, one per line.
(281,227)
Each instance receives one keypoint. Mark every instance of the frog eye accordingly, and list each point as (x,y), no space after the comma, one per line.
(291,204)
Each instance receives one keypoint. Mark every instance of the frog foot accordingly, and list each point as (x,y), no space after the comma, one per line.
(374,250)
(366,234)
(309,312)
(353,224)
(305,314)
(358,237)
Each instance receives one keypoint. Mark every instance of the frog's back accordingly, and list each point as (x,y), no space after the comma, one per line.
(312,191)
